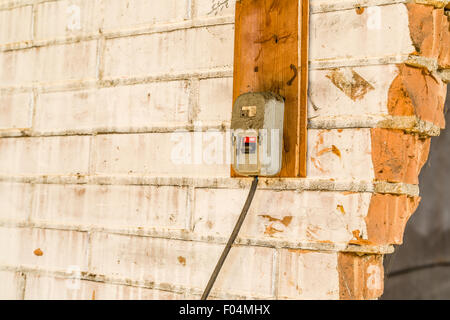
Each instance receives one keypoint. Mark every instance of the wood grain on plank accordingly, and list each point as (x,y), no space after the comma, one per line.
(271,45)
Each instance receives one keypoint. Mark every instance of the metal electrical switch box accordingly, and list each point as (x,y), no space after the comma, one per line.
(257,134)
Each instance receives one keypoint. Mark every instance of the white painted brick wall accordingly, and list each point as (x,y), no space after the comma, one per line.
(41,287)
(47,156)
(302,272)
(215,96)
(340,154)
(111,206)
(346,35)
(16,200)
(290,215)
(95,187)
(11,285)
(127,107)
(182,263)
(163,53)
(16,110)
(151,154)
(333,154)
(119,15)
(207,8)
(328,100)
(48,64)
(15,25)
(59,19)
(60,249)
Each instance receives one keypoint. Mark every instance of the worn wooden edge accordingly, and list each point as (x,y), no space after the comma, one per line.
(304,60)
(236,66)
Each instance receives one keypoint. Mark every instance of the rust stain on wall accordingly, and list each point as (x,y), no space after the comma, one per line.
(286,221)
(350,83)
(317,165)
(358,239)
(270,230)
(182,260)
(336,151)
(333,149)
(341,208)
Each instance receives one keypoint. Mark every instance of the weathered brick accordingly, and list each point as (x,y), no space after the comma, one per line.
(340,154)
(157,154)
(387,217)
(119,15)
(215,100)
(49,155)
(377,32)
(417,92)
(397,156)
(425,24)
(124,107)
(111,206)
(247,270)
(214,8)
(40,287)
(67,18)
(287,215)
(349,91)
(170,52)
(15,25)
(308,275)
(66,62)
(43,248)
(444,54)
(11,288)
(15,201)
(360,277)
(15,110)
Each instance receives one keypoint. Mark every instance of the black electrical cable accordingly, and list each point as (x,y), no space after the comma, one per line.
(233,236)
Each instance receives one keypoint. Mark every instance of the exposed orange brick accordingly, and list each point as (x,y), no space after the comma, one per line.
(399,102)
(430,32)
(425,24)
(397,156)
(387,217)
(416,92)
(444,54)
(360,277)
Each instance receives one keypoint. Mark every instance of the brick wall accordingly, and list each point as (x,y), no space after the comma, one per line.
(95,96)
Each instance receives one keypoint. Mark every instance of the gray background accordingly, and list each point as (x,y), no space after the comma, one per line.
(420,269)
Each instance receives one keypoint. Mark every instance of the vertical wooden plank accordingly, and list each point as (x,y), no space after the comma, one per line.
(304,80)
(267,50)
